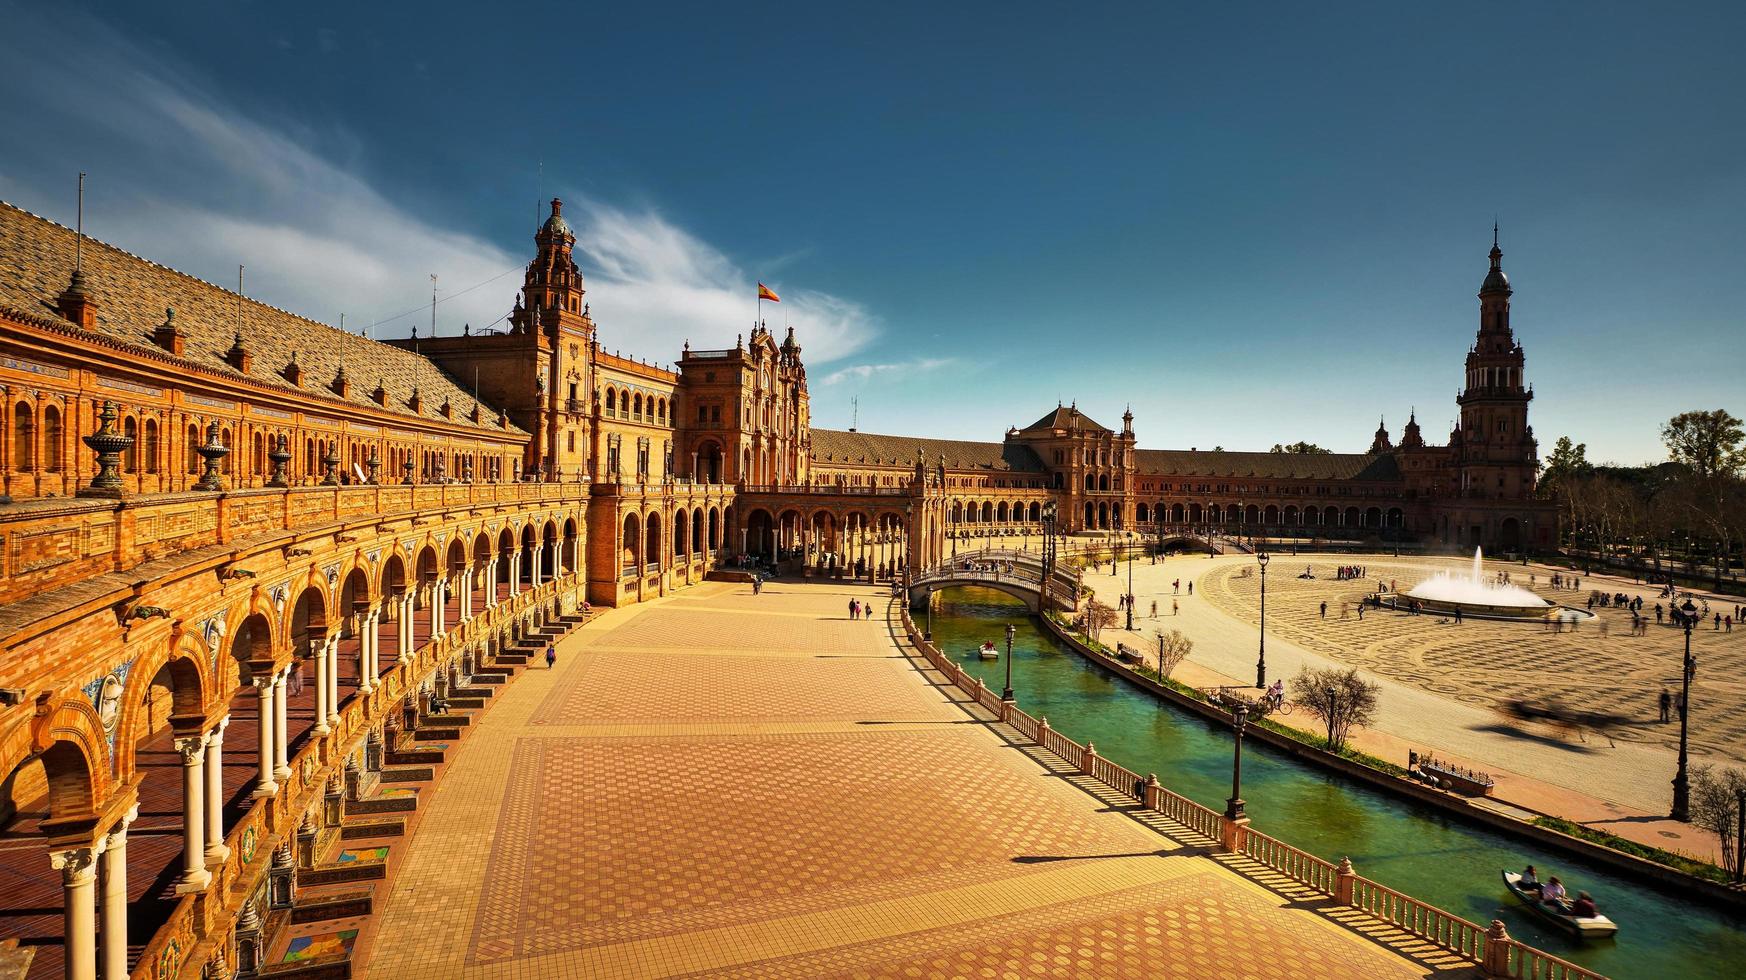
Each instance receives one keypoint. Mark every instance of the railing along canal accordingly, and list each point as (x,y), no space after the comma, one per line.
(1491,949)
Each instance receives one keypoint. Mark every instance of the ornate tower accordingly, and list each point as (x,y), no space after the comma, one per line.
(553,317)
(1496,451)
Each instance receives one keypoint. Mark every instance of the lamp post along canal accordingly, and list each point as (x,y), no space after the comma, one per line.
(1130,596)
(1234,805)
(928,634)
(1261,659)
(1006,695)
(1681,779)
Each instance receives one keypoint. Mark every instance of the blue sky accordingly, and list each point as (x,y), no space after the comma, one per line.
(1257,224)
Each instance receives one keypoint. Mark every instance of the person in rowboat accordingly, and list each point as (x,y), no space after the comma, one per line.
(1552,893)
(1530,882)
(1583,907)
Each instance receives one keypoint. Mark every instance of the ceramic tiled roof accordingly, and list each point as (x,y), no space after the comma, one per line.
(131,295)
(1069,417)
(831,445)
(1272,466)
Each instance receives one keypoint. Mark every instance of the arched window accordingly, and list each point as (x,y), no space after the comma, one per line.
(224,439)
(151,446)
(637,408)
(611,402)
(23,431)
(51,439)
(193,441)
(130,458)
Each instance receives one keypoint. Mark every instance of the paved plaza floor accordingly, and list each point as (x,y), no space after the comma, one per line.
(1445,686)
(732,785)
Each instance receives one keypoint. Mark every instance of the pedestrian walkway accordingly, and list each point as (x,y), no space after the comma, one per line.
(736,786)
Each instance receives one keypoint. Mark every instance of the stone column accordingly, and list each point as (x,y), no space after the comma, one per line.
(281,729)
(265,784)
(367,652)
(193,748)
(114,909)
(332,655)
(318,653)
(491,582)
(466,594)
(440,612)
(515,572)
(216,851)
(406,611)
(78,868)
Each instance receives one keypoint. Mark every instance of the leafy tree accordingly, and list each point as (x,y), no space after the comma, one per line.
(1708,446)
(1568,462)
(1173,648)
(1302,449)
(1098,617)
(1708,443)
(1715,806)
(1340,698)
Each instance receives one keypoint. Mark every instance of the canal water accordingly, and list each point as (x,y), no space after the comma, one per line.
(1424,852)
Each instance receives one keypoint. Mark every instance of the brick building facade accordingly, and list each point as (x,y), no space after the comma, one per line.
(229,526)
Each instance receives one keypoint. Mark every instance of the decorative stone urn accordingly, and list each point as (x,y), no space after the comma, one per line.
(211,453)
(330,463)
(108,444)
(280,456)
(372,465)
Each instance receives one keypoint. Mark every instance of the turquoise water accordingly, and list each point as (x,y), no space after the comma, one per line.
(1412,848)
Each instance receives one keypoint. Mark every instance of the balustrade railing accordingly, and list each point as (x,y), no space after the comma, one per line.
(1428,922)
(1527,963)
(1202,820)
(1300,866)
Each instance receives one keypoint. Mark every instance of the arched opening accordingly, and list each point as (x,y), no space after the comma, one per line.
(630,553)
(652,557)
(681,536)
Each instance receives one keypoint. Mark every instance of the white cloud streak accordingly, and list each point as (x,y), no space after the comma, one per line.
(656,285)
(187,180)
(867,372)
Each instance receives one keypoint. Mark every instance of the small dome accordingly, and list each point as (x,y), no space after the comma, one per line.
(556,225)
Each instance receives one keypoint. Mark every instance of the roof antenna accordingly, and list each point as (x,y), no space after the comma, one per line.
(342,323)
(79,241)
(239,296)
(432,305)
(1494,232)
(855,420)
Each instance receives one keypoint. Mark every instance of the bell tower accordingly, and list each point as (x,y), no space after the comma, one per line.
(1497,452)
(552,290)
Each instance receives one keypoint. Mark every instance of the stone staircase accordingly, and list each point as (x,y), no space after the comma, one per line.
(319,899)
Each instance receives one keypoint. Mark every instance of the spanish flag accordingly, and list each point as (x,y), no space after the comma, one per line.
(765,293)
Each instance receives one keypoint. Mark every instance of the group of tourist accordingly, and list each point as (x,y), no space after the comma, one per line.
(860,610)
(1552,893)
(1346,573)
(1562,581)
(1176,586)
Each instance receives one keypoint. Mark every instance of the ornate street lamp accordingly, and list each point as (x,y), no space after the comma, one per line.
(1234,805)
(1006,695)
(928,634)
(1261,659)
(1048,554)
(1681,783)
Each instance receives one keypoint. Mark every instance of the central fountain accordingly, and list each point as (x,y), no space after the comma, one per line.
(1475,595)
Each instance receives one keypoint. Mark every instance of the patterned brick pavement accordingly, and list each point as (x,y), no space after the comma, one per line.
(728,786)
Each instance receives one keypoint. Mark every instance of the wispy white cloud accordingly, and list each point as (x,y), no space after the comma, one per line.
(190,180)
(865,372)
(655,285)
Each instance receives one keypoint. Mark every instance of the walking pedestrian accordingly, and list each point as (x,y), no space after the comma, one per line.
(1174,611)
(854,607)
(1155,615)
(551,656)
(1191,587)
(1324,610)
